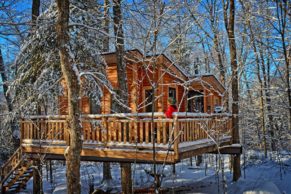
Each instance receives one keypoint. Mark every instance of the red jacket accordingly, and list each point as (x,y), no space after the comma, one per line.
(171,109)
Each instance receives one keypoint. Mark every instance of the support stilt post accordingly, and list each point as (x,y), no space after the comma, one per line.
(37,179)
(126,179)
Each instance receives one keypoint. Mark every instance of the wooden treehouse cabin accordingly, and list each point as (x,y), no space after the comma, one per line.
(107,136)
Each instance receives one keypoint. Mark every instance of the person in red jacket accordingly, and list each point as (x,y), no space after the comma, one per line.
(171,108)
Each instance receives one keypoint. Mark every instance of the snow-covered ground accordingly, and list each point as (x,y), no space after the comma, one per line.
(261,176)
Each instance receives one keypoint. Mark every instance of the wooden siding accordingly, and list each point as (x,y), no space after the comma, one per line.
(139,78)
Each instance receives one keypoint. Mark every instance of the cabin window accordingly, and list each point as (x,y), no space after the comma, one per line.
(195,101)
(148,100)
(95,107)
(172,93)
(216,101)
(115,107)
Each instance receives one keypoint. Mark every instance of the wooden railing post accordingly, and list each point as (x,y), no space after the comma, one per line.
(104,130)
(21,131)
(176,139)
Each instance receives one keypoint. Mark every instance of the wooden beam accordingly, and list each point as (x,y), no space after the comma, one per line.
(229,149)
(198,151)
(104,154)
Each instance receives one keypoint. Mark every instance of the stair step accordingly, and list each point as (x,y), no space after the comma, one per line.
(16,173)
(12,190)
(15,186)
(18,182)
(22,179)
(29,170)
(27,175)
(20,169)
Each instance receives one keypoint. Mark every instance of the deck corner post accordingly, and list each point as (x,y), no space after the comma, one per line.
(126,178)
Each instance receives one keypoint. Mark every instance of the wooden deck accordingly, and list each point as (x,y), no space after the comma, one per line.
(117,138)
(128,138)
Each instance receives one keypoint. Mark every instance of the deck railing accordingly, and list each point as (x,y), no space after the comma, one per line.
(130,129)
(11,164)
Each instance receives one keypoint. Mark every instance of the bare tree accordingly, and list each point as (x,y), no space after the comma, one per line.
(282,8)
(126,180)
(106,165)
(35,10)
(72,153)
(229,20)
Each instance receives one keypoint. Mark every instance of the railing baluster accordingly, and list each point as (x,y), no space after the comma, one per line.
(170,132)
(119,131)
(135,130)
(147,131)
(176,138)
(130,130)
(141,131)
(164,128)
(158,133)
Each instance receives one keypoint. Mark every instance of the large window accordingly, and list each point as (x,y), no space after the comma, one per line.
(148,100)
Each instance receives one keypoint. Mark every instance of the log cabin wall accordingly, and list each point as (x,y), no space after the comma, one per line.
(139,76)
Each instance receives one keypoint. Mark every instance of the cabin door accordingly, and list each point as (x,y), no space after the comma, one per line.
(195,101)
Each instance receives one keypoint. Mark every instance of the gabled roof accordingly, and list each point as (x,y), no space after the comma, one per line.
(178,67)
(210,79)
(135,55)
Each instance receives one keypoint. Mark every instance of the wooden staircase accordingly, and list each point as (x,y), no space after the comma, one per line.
(16,172)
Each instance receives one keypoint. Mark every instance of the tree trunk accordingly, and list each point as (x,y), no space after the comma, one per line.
(221,68)
(272,130)
(8,98)
(73,151)
(35,10)
(119,46)
(126,182)
(106,172)
(261,83)
(229,24)
(198,160)
(106,26)
(106,165)
(4,78)
(282,13)
(37,179)
(262,103)
(267,100)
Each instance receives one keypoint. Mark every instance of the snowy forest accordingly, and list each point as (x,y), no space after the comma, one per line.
(85,86)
